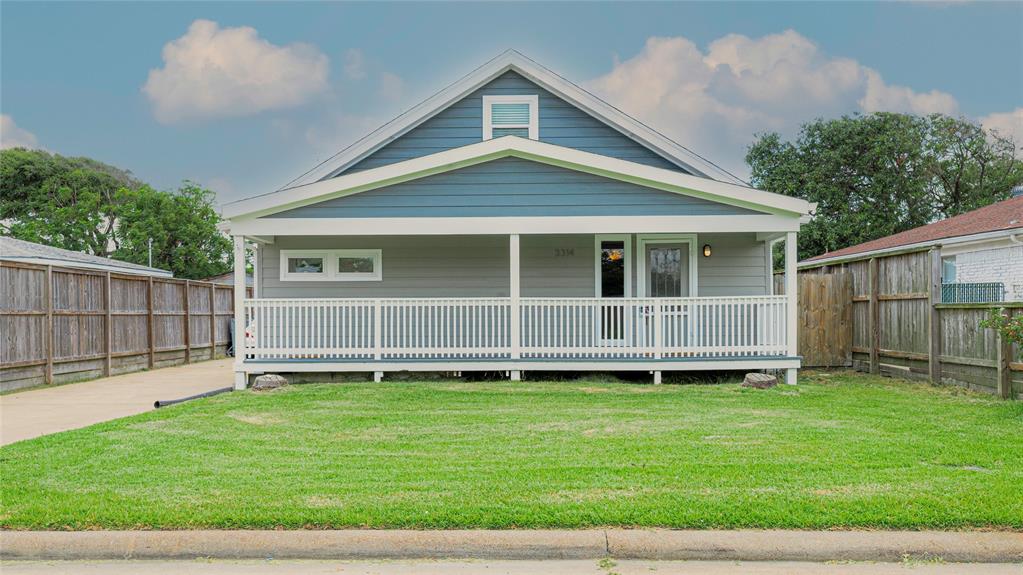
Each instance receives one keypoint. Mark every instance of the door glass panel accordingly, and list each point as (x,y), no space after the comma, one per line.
(667,270)
(612,284)
(612,269)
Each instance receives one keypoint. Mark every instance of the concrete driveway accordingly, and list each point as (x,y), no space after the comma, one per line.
(28,414)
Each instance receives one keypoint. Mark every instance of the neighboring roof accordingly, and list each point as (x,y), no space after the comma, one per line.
(513,146)
(27,252)
(227,278)
(1005,216)
(513,60)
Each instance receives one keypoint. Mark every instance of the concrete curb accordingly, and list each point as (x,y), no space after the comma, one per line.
(651,544)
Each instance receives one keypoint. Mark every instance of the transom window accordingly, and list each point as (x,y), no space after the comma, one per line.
(331,265)
(511,116)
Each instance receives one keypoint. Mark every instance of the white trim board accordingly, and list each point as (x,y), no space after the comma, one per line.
(508,225)
(512,60)
(512,146)
(553,364)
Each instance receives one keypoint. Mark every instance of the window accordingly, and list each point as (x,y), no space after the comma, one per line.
(511,116)
(331,265)
(358,265)
(948,270)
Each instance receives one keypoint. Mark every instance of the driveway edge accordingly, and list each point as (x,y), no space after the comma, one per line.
(651,544)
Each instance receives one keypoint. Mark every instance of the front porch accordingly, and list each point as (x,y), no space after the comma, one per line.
(502,334)
(646,312)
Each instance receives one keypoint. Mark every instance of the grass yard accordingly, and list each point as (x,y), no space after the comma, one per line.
(839,450)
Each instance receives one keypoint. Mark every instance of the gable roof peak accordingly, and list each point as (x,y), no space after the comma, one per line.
(512,59)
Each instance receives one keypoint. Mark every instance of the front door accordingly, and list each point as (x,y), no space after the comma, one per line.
(667,269)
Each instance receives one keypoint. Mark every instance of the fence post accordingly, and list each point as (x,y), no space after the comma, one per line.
(49,324)
(213,321)
(149,316)
(1003,359)
(934,317)
(188,323)
(109,324)
(875,331)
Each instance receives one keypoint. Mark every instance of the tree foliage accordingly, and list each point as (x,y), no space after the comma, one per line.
(883,173)
(83,205)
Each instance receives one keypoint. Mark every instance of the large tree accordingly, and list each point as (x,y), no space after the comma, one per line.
(84,205)
(878,174)
(182,226)
(60,201)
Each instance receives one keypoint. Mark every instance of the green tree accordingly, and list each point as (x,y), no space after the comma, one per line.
(84,205)
(883,173)
(60,201)
(182,226)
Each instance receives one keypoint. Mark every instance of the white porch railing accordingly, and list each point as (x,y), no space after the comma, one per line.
(480,328)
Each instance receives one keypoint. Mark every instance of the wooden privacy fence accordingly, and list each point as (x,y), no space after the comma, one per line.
(824,318)
(900,327)
(61,324)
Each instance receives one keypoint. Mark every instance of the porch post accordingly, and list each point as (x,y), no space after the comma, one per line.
(240,378)
(513,293)
(792,303)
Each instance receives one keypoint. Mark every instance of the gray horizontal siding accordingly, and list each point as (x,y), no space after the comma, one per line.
(737,265)
(477,266)
(511,187)
(560,123)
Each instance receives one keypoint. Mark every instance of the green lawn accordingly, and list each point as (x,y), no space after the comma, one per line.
(839,450)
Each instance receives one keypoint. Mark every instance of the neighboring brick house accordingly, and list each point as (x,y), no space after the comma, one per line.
(979,249)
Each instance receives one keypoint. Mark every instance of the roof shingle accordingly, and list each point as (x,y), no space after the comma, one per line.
(1004,215)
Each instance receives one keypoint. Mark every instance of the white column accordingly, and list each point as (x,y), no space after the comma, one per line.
(240,378)
(257,253)
(514,294)
(792,303)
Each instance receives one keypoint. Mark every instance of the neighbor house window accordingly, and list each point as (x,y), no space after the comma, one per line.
(948,270)
(331,265)
(511,116)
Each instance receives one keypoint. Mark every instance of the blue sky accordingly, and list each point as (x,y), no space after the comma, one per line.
(242,97)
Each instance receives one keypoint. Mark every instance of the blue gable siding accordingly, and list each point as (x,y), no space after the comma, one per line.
(561,124)
(511,187)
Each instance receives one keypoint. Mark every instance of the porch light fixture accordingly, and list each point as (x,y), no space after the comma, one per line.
(706,250)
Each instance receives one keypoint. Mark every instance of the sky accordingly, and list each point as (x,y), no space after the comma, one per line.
(243,97)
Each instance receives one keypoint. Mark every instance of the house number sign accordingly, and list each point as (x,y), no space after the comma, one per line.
(564,252)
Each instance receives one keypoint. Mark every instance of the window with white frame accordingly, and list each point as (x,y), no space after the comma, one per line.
(511,116)
(358,265)
(331,265)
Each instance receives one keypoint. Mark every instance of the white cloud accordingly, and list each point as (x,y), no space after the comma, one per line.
(11,136)
(715,100)
(355,64)
(881,97)
(392,87)
(1007,124)
(213,71)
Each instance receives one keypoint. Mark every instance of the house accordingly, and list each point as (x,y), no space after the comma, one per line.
(227,278)
(981,252)
(20,251)
(513,222)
